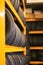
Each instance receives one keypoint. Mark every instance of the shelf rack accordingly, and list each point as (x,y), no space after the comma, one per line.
(3,47)
(31,18)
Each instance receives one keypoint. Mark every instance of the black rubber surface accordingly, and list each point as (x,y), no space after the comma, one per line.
(7,63)
(28,55)
(14,36)
(22,59)
(15,3)
(40,55)
(35,40)
(10,28)
(15,59)
(36,25)
(23,40)
(11,61)
(34,56)
(21,14)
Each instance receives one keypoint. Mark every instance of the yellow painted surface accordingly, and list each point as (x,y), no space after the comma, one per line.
(23,1)
(25,51)
(24,30)
(2,33)
(14,48)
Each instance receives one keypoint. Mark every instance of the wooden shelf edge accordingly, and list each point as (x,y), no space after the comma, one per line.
(36,62)
(34,16)
(30,20)
(36,48)
(35,32)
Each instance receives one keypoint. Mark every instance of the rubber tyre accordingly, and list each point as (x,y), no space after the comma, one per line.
(16,3)
(11,31)
(20,12)
(7,63)
(15,57)
(23,41)
(11,61)
(17,37)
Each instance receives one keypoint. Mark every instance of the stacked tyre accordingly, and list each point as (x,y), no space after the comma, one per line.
(13,34)
(14,37)
(37,25)
(36,40)
(15,60)
(16,4)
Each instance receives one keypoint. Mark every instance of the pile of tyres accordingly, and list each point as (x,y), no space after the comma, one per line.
(35,39)
(35,26)
(16,4)
(12,59)
(14,36)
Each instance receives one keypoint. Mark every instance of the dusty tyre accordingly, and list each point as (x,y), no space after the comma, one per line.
(11,61)
(20,12)
(10,31)
(16,3)
(15,57)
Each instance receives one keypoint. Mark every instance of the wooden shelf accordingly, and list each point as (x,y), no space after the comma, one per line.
(37,16)
(30,20)
(35,32)
(36,62)
(33,20)
(36,48)
(33,17)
